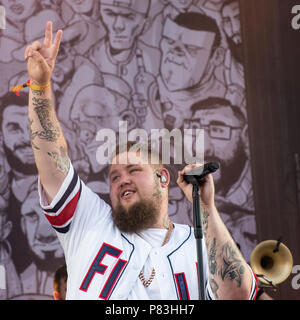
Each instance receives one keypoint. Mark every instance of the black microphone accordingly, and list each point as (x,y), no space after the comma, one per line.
(196,175)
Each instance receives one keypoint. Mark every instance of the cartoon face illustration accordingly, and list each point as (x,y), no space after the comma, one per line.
(41,237)
(15,133)
(123,24)
(180,4)
(231,21)
(185,55)
(5,223)
(95,108)
(65,64)
(18,10)
(223,140)
(81,6)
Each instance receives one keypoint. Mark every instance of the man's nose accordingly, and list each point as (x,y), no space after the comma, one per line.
(119,25)
(24,140)
(124,180)
(45,233)
(208,144)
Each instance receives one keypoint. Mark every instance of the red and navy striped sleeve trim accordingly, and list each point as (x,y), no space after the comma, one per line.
(254,288)
(61,215)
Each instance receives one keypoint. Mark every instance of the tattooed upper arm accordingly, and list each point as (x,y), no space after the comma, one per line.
(232,268)
(61,159)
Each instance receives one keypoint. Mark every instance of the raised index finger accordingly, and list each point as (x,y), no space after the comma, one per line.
(48,35)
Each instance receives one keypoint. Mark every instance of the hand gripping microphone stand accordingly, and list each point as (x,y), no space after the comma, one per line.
(196,177)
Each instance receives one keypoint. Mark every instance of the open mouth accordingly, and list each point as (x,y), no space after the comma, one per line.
(127,194)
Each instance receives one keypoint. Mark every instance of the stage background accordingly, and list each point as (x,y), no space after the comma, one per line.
(165,75)
(272,69)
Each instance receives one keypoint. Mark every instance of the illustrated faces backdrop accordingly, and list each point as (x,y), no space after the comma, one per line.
(155,64)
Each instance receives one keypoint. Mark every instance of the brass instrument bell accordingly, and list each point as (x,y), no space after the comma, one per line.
(272,262)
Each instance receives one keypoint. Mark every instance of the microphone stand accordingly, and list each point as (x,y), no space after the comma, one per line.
(195,177)
(199,236)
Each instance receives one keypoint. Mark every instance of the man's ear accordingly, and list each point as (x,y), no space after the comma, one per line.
(218,56)
(164,177)
(7,229)
(245,140)
(23,227)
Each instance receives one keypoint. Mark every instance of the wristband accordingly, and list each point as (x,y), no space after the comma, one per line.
(35,87)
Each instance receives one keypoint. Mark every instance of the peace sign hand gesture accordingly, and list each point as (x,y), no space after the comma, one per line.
(41,57)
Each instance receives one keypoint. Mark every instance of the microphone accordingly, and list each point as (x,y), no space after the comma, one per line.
(196,175)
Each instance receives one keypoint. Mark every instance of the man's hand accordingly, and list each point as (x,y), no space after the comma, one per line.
(207,189)
(41,57)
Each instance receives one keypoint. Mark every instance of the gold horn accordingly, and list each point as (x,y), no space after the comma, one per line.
(272,262)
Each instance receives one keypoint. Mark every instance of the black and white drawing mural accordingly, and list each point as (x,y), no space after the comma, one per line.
(153,63)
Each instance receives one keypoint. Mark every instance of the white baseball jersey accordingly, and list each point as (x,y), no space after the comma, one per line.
(104,263)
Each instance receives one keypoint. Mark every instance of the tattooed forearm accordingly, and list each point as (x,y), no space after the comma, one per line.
(204,219)
(51,131)
(214,287)
(61,159)
(32,135)
(212,258)
(232,268)
(38,92)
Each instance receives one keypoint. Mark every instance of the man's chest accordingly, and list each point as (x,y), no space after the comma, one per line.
(110,270)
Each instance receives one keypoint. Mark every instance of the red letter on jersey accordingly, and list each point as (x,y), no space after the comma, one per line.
(97,267)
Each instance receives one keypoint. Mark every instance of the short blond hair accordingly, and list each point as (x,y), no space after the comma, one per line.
(146,149)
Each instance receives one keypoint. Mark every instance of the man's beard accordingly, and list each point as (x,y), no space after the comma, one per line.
(230,170)
(16,164)
(50,263)
(236,50)
(139,216)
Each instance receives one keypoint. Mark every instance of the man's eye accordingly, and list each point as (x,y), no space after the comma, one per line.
(216,129)
(169,40)
(109,13)
(192,50)
(114,178)
(130,16)
(13,127)
(133,170)
(31,216)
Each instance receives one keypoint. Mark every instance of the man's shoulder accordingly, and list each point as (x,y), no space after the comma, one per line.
(182,233)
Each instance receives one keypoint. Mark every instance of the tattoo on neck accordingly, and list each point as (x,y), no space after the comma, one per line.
(166,222)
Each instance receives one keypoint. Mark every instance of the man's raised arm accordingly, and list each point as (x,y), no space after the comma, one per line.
(47,140)
(230,277)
